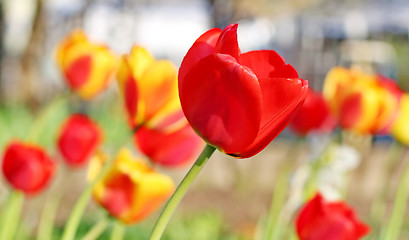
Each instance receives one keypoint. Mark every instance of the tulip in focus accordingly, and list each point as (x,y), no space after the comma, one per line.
(149,88)
(131,190)
(237,102)
(27,167)
(78,139)
(87,67)
(320,220)
(314,115)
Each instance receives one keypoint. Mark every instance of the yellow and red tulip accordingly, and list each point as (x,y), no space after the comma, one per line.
(131,190)
(149,88)
(78,139)
(86,66)
(27,167)
(237,102)
(363,103)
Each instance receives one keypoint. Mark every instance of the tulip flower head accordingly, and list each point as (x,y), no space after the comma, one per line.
(27,167)
(320,220)
(149,88)
(361,102)
(131,190)
(78,139)
(237,102)
(87,67)
(314,115)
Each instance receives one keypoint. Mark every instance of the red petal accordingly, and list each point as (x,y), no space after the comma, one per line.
(311,211)
(27,168)
(118,195)
(131,98)
(78,72)
(227,42)
(169,149)
(267,64)
(78,139)
(222,101)
(201,48)
(351,110)
(313,115)
(281,99)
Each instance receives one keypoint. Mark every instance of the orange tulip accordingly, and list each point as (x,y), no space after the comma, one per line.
(131,190)
(86,66)
(150,90)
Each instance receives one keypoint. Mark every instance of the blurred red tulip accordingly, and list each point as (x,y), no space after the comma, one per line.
(237,102)
(169,149)
(320,220)
(27,167)
(314,115)
(78,139)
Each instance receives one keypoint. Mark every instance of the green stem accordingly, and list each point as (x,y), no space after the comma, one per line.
(79,208)
(46,225)
(11,215)
(97,229)
(118,232)
(398,211)
(173,202)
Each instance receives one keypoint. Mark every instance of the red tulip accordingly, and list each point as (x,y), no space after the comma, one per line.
(27,167)
(320,220)
(314,115)
(78,139)
(237,102)
(170,149)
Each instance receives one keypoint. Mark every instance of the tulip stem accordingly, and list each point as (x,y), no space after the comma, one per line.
(118,231)
(97,229)
(177,196)
(79,208)
(398,211)
(50,207)
(11,215)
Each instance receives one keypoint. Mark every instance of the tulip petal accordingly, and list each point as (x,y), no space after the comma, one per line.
(78,71)
(157,86)
(222,101)
(78,139)
(267,64)
(227,42)
(169,149)
(281,98)
(202,47)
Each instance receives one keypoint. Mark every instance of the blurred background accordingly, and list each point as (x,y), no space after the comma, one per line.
(230,196)
(312,35)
